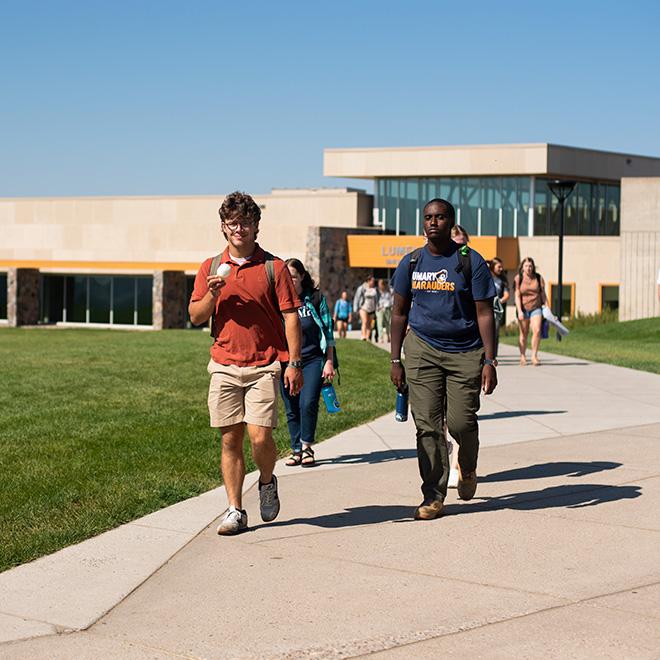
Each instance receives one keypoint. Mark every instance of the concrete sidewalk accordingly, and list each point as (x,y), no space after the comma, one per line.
(557,555)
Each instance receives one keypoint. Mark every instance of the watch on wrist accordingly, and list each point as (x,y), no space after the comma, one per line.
(296,364)
(492,363)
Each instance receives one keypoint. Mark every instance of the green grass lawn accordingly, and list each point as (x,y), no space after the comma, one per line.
(634,344)
(99,427)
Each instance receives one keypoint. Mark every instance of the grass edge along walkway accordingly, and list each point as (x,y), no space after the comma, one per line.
(632,344)
(101,427)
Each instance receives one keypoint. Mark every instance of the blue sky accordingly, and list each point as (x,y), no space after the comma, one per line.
(174,98)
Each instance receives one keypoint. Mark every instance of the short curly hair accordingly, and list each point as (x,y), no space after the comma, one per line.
(239,204)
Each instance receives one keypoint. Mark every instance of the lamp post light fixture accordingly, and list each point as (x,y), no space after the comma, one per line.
(561,189)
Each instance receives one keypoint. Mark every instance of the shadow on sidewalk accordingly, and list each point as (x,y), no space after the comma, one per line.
(373,457)
(371,514)
(542,470)
(520,413)
(568,497)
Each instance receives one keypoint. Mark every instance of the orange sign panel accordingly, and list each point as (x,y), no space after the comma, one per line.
(385,251)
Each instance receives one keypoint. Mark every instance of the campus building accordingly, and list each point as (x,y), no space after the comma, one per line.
(130,261)
(502,198)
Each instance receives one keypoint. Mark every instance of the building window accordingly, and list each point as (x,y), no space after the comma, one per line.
(609,297)
(190,285)
(499,206)
(144,298)
(100,299)
(3,296)
(123,301)
(568,298)
(106,299)
(52,298)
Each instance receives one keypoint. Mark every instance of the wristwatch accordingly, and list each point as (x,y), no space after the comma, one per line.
(296,364)
(492,363)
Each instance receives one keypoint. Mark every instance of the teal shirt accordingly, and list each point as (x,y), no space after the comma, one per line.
(323,319)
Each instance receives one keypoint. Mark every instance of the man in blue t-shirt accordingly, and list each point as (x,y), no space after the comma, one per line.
(444,292)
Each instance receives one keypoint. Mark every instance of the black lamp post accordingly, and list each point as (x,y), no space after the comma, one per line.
(561,189)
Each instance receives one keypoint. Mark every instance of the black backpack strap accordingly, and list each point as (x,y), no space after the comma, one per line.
(215,262)
(269,264)
(412,264)
(316,301)
(465,265)
(414,258)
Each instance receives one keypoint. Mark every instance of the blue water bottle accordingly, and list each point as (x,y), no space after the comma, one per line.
(401,414)
(330,397)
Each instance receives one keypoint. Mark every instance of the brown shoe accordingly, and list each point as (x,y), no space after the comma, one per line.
(428,510)
(467,484)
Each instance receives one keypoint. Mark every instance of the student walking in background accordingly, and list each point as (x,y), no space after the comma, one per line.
(384,311)
(364,304)
(247,292)
(530,298)
(342,314)
(302,408)
(502,296)
(459,235)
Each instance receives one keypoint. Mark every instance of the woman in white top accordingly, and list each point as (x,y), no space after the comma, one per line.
(365,304)
(384,311)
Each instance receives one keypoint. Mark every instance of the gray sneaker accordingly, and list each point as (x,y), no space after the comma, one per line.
(269,502)
(235,521)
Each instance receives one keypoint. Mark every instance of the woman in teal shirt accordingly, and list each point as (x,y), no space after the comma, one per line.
(318,343)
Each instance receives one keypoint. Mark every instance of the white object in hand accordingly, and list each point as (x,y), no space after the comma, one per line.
(223,270)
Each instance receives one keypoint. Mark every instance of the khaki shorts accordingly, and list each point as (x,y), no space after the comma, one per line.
(243,394)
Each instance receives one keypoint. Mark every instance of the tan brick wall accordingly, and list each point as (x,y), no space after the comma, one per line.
(640,247)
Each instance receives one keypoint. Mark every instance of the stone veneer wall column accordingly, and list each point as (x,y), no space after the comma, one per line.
(640,248)
(169,299)
(22,296)
(327,261)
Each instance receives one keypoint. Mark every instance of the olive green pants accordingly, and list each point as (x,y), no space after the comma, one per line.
(434,378)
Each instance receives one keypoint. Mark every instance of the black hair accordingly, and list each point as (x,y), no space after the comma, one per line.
(306,281)
(451,211)
(492,262)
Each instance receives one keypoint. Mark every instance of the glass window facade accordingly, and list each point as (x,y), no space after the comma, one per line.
(567,296)
(3,296)
(500,206)
(609,297)
(591,210)
(116,300)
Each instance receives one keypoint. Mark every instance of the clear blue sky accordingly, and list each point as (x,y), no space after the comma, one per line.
(200,97)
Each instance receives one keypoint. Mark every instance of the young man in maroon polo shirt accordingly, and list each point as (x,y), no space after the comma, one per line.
(250,344)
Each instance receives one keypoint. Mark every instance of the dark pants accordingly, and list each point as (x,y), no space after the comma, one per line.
(433,375)
(302,410)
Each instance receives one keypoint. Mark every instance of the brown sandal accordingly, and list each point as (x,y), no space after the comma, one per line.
(308,459)
(294,460)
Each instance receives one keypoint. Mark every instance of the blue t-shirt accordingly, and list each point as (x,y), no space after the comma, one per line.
(343,309)
(443,313)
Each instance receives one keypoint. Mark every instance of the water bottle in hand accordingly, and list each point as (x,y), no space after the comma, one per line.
(401,414)
(330,397)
